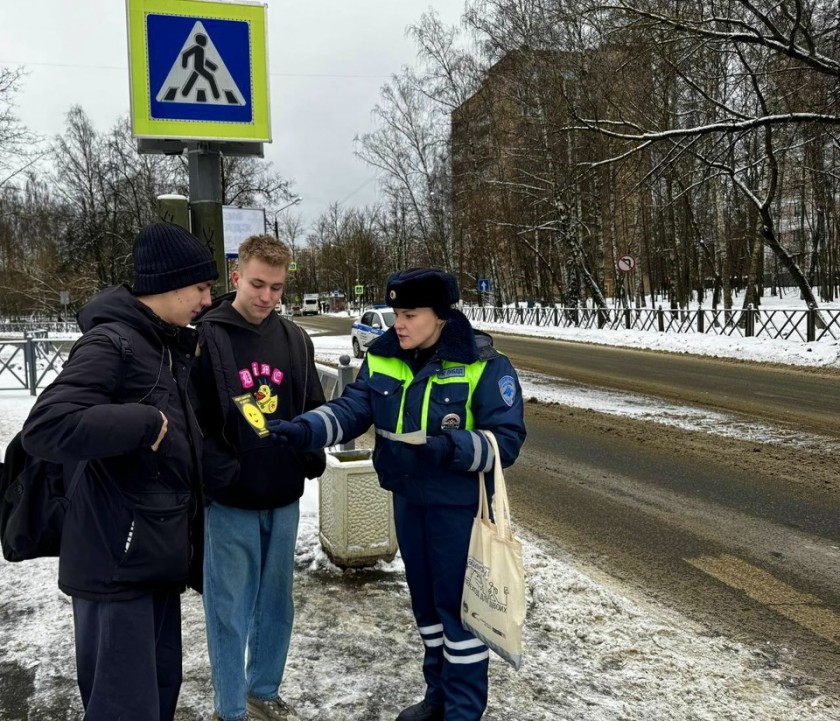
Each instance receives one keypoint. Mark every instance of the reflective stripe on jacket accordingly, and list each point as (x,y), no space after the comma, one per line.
(452,383)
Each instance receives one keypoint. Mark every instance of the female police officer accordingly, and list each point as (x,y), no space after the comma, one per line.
(430,374)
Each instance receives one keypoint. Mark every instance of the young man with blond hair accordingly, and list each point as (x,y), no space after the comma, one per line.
(253,485)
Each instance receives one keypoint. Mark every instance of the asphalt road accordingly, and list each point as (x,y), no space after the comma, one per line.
(741,537)
(806,397)
(779,393)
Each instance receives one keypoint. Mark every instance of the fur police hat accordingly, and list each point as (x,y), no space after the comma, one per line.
(167,257)
(423,288)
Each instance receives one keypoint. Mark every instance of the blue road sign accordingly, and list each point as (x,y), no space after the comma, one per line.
(199,69)
(483,285)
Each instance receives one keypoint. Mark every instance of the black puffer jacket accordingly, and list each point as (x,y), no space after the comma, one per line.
(134,523)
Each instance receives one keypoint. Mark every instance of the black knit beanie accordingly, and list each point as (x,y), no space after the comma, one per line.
(167,257)
(423,288)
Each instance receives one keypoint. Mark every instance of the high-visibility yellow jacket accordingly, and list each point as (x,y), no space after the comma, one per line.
(465,387)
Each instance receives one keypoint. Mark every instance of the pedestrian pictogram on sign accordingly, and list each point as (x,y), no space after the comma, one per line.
(293,266)
(360,290)
(199,74)
(626,263)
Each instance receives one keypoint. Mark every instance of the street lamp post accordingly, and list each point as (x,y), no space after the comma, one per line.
(297,199)
(277,212)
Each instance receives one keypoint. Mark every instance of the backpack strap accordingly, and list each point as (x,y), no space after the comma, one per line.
(220,350)
(118,333)
(298,357)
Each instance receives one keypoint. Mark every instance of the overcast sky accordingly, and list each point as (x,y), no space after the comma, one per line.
(327,61)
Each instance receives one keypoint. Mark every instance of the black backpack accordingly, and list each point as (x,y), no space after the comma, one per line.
(35,493)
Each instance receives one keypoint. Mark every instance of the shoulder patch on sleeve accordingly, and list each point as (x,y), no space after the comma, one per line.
(507,389)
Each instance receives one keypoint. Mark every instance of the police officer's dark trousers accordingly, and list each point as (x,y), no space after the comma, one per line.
(128,657)
(434,541)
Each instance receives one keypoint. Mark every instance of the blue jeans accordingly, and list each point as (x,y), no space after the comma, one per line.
(248,605)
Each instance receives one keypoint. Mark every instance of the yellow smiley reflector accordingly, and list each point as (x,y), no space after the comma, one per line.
(251,413)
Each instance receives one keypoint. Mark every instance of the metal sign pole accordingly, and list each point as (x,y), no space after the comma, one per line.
(199,82)
(205,163)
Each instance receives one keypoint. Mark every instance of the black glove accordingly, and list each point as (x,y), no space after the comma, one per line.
(437,451)
(292,433)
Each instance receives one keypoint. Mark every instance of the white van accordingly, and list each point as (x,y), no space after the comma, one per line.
(310,304)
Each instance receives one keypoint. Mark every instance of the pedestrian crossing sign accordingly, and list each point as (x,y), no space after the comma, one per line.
(198,70)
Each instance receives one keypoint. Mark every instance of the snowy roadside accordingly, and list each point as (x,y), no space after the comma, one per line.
(592,650)
(823,353)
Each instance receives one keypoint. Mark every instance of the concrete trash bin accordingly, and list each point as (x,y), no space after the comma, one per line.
(356,524)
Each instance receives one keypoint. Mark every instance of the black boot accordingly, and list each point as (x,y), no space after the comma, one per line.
(423,711)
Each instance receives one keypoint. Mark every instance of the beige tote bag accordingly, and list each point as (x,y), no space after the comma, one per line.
(493,602)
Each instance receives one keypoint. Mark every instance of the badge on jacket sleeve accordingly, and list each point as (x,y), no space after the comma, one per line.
(507,389)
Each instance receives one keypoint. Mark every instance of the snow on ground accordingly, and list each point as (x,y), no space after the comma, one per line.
(592,650)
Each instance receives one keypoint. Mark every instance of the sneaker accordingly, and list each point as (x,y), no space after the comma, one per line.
(276,709)
(423,711)
(216,717)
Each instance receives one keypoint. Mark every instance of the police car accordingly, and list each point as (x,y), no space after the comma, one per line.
(372,324)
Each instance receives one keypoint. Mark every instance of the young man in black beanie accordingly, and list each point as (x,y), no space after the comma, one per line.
(132,537)
(430,375)
(253,484)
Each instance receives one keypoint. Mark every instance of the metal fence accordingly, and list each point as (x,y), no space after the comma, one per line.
(23,328)
(789,324)
(32,361)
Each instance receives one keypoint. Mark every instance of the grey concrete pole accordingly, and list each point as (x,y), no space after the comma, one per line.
(174,208)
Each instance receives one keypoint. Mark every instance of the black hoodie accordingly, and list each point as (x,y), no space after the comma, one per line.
(272,362)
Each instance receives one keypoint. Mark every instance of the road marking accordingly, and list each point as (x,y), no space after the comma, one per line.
(805,609)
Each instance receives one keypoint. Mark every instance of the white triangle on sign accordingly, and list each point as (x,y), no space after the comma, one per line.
(199,75)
